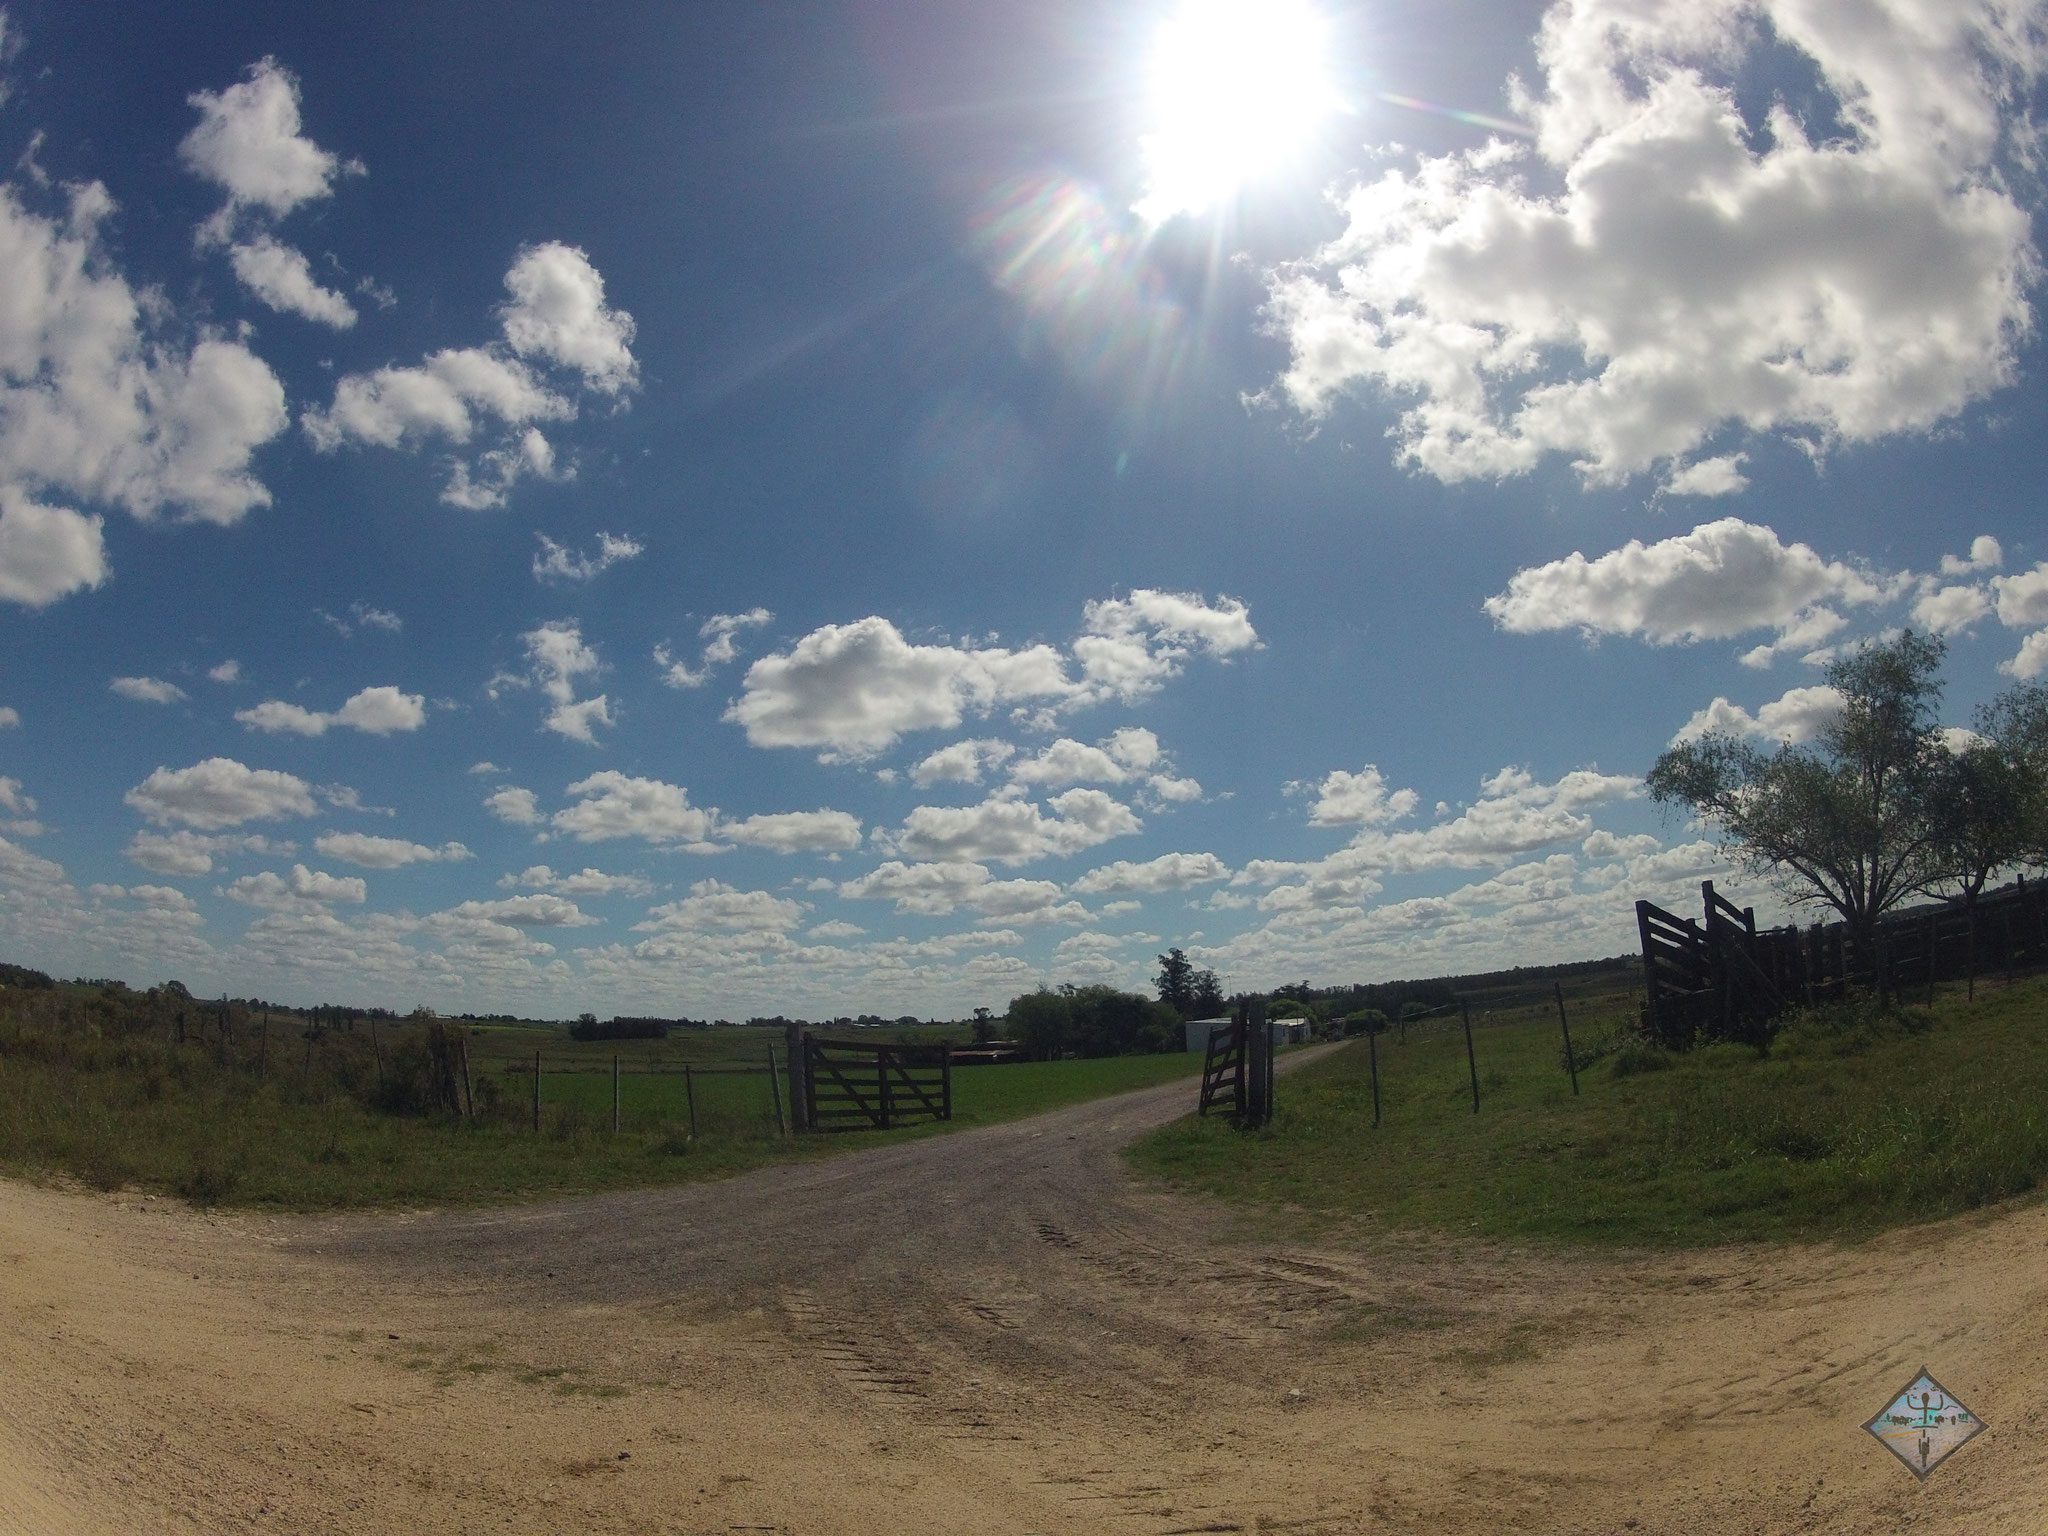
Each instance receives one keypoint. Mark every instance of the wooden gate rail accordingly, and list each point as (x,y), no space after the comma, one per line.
(850,1085)
(1223,1071)
(1238,1070)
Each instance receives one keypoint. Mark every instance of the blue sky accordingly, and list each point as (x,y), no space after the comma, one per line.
(828,509)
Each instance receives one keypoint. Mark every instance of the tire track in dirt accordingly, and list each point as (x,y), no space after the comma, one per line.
(995,1331)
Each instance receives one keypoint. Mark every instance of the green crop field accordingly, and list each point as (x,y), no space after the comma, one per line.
(1855,1120)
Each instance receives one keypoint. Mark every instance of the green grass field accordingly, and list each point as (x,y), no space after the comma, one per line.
(730,1104)
(1853,1123)
(196,1119)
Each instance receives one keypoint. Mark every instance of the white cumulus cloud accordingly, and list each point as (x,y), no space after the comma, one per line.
(612,805)
(556,318)
(518,806)
(557,657)
(543,911)
(1515,814)
(714,907)
(373,711)
(1720,580)
(1360,799)
(1009,829)
(557,562)
(386,852)
(219,793)
(1946,610)
(47,552)
(103,399)
(1656,270)
(193,853)
(585,882)
(853,689)
(283,279)
(302,890)
(1796,716)
(248,143)
(937,889)
(720,633)
(962,763)
(1986,554)
(1168,872)
(558,311)
(147,690)
(818,831)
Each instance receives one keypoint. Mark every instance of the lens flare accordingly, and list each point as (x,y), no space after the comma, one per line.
(1083,292)
(1237,89)
(1458,115)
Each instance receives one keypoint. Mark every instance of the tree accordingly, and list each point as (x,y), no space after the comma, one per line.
(2016,723)
(1091,1021)
(1983,810)
(1208,1002)
(1176,983)
(1038,1022)
(1846,823)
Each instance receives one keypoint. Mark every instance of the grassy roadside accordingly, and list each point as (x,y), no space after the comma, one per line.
(195,1120)
(1853,1123)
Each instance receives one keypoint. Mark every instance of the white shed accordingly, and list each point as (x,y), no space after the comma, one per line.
(1198,1032)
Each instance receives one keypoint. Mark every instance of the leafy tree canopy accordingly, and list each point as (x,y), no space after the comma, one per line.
(1880,806)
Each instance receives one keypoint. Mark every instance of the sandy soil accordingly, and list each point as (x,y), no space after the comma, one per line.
(991,1332)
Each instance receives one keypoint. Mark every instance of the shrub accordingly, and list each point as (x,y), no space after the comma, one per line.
(1847,1028)
(1639,1056)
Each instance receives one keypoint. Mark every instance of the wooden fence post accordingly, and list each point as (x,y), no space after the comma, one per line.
(798,1060)
(376,1049)
(536,1093)
(1372,1046)
(468,1090)
(775,1093)
(1570,1063)
(1471,1058)
(1933,938)
(690,1093)
(263,1051)
(615,1093)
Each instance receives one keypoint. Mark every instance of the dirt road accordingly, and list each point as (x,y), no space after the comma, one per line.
(991,1332)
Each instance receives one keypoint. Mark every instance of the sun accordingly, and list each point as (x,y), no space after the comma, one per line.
(1237,89)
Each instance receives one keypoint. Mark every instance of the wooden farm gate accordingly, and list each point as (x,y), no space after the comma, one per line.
(1238,1073)
(846,1085)
(1223,1073)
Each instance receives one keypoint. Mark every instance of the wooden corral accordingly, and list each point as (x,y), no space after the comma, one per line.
(1721,978)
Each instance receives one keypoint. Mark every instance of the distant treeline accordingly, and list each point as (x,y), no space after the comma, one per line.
(22,976)
(623,1028)
(1392,997)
